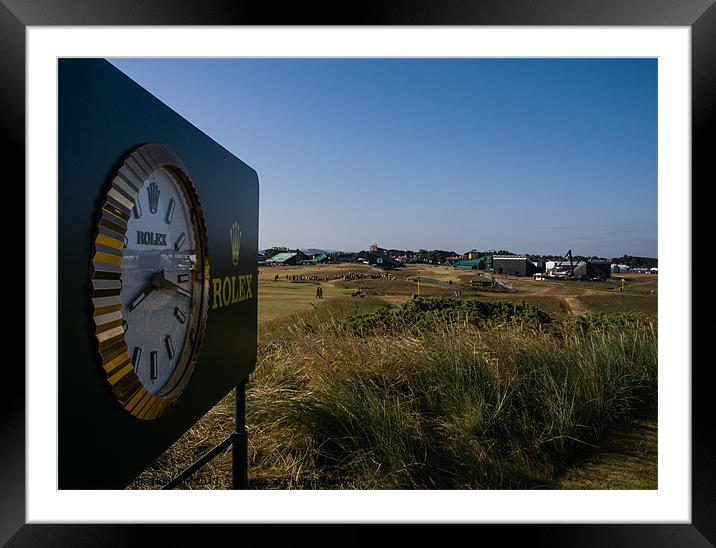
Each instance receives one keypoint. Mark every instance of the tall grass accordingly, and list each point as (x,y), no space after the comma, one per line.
(446,405)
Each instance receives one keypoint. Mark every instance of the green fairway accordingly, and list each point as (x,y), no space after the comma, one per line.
(280,298)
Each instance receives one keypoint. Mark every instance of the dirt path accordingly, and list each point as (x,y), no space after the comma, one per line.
(627,458)
(575,306)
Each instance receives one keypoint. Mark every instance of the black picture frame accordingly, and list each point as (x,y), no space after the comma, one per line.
(16,15)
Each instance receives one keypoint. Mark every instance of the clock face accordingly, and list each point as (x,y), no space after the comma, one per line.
(158,268)
(150,281)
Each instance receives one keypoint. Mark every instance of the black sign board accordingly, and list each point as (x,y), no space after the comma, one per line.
(112,135)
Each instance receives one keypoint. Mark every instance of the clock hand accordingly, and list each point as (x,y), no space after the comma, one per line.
(157,281)
(143,295)
(160,281)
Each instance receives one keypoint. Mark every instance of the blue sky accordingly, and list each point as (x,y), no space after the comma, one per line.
(529,155)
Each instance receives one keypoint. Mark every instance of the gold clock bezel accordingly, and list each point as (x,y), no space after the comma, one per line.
(106,283)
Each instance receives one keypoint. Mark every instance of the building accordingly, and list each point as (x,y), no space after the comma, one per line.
(478,263)
(575,269)
(282,259)
(286,259)
(541,264)
(467,264)
(320,258)
(316,259)
(599,270)
(382,260)
(579,269)
(514,265)
(377,256)
(620,269)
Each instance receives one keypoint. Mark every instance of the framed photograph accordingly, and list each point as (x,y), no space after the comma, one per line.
(679,37)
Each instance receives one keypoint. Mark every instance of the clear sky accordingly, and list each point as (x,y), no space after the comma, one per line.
(529,155)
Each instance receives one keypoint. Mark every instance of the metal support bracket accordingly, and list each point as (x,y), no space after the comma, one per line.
(238,441)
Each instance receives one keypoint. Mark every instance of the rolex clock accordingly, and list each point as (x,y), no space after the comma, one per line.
(150,281)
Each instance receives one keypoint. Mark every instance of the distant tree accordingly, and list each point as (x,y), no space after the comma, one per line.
(439,255)
(339,257)
(636,262)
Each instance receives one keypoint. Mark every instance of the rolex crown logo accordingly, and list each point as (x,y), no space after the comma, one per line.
(235,236)
(153,192)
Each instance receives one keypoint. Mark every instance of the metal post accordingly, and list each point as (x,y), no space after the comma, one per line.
(240,447)
(238,440)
